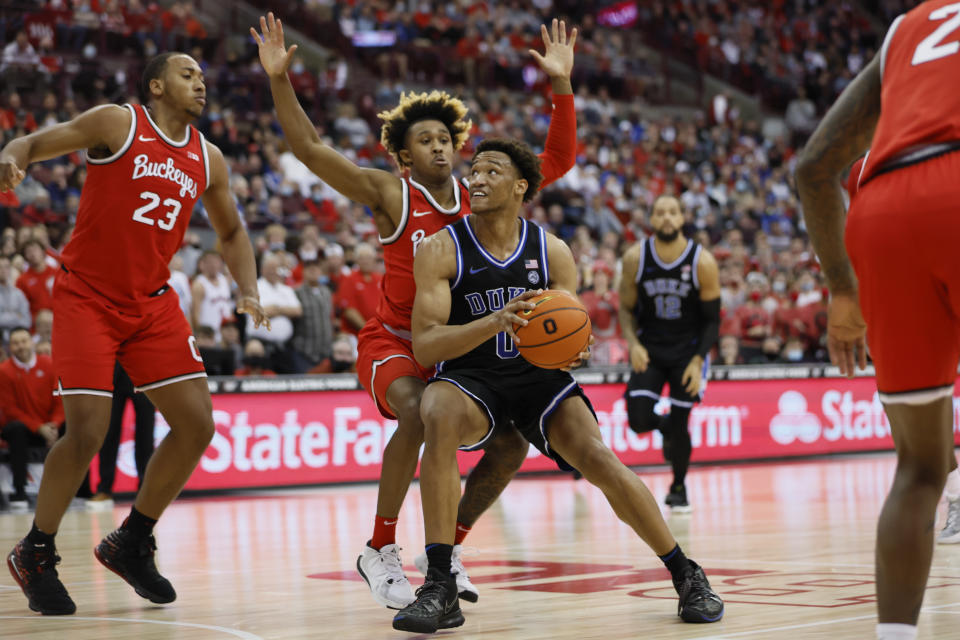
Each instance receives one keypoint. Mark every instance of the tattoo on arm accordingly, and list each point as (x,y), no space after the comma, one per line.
(842,136)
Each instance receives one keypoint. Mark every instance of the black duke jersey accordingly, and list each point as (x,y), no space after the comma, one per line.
(668,308)
(484,284)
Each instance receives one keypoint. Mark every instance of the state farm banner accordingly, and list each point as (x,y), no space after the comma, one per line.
(313,437)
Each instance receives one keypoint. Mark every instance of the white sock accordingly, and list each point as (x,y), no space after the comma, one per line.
(952,490)
(896,632)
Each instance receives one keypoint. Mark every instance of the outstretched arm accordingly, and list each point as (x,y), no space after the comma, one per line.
(104,126)
(235,244)
(374,188)
(560,148)
(433,339)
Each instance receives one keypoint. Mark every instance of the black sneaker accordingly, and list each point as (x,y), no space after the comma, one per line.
(677,499)
(698,602)
(132,559)
(34,567)
(437,606)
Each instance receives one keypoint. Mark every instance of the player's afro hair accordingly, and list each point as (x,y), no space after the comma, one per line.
(154,69)
(522,157)
(414,107)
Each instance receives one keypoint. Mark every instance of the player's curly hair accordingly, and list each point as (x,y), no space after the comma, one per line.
(523,158)
(414,107)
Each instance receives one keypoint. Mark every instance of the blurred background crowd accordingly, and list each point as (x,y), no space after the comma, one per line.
(707,100)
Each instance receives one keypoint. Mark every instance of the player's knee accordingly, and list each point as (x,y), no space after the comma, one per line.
(592,458)
(640,415)
(204,433)
(85,443)
(917,471)
(407,411)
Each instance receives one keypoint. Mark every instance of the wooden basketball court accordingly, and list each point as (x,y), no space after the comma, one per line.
(789,546)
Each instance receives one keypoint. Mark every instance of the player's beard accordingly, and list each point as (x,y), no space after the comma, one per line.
(667,237)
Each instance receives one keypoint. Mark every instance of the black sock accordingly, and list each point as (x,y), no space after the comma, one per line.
(36,536)
(675,561)
(138,524)
(438,557)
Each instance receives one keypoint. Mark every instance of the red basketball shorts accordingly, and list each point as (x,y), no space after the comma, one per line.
(155,347)
(382,357)
(903,234)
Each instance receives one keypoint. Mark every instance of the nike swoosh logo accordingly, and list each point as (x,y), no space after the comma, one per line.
(474,270)
(391,523)
(417,214)
(142,139)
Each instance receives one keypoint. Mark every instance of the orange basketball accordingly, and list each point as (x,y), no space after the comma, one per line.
(557,331)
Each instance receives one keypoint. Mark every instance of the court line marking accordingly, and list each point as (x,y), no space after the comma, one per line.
(822,623)
(233,632)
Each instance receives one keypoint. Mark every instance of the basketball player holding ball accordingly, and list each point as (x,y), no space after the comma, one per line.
(670,314)
(474,279)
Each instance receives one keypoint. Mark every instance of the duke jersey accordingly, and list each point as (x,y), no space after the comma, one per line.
(421,218)
(484,284)
(919,66)
(668,299)
(134,209)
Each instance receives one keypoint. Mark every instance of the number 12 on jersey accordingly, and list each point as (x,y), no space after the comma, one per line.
(668,307)
(153,199)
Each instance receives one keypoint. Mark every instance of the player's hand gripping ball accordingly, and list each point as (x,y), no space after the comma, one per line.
(557,331)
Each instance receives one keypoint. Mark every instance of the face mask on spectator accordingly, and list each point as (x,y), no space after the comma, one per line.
(277,246)
(297,67)
(779,286)
(339,366)
(316,196)
(755,296)
(286,190)
(795,355)
(306,255)
(806,286)
(256,362)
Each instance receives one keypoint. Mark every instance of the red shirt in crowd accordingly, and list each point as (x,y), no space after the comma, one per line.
(603,312)
(38,288)
(26,393)
(360,291)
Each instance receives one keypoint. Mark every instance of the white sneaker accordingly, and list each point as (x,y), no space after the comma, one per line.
(383,572)
(100,502)
(19,506)
(467,591)
(951,531)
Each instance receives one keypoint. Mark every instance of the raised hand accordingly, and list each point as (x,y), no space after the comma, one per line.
(10,175)
(274,56)
(557,60)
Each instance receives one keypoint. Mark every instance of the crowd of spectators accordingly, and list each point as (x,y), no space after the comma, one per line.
(781,50)
(318,253)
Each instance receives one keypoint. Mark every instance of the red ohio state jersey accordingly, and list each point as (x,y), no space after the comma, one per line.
(421,217)
(919,67)
(134,209)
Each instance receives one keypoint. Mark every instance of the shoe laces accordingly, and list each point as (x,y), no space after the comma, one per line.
(392,565)
(693,586)
(44,559)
